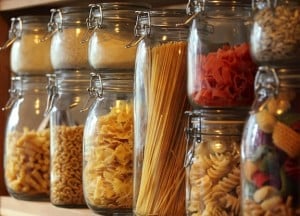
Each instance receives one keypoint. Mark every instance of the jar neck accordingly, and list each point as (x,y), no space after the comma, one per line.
(32,84)
(71,81)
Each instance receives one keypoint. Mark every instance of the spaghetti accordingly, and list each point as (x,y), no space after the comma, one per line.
(162,183)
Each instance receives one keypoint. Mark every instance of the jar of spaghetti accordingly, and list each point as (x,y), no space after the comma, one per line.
(27,140)
(67,95)
(67,29)
(160,102)
(111,28)
(28,54)
(213,162)
(108,144)
(275,33)
(220,68)
(271,145)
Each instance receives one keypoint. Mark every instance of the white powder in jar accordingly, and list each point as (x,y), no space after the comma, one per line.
(30,56)
(108,51)
(67,50)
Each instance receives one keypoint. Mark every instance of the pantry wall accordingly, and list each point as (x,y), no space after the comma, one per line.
(13,8)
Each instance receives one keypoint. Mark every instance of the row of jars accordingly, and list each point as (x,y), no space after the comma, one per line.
(220,80)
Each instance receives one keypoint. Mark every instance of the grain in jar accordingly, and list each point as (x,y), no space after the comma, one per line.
(27,140)
(29,55)
(67,96)
(67,29)
(108,144)
(112,27)
(275,33)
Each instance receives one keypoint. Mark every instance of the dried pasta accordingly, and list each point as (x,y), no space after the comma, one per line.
(162,182)
(27,163)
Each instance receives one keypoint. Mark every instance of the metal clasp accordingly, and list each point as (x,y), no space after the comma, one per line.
(52,94)
(141,29)
(14,32)
(53,26)
(193,8)
(266,84)
(193,135)
(95,90)
(93,23)
(15,93)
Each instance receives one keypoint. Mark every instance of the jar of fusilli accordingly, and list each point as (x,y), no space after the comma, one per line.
(271,145)
(108,144)
(213,162)
(66,97)
(160,102)
(27,140)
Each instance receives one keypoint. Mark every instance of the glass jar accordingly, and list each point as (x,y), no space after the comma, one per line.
(275,33)
(111,26)
(213,162)
(108,144)
(159,105)
(66,98)
(220,68)
(28,54)
(27,140)
(67,29)
(271,145)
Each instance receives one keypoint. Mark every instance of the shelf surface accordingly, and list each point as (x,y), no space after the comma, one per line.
(12,207)
(6,5)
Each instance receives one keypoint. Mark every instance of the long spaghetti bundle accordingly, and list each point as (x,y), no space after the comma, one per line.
(162,185)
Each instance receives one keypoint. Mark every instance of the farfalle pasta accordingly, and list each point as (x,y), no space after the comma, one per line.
(108,164)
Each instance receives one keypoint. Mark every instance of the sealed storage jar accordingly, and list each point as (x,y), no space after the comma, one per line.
(271,145)
(28,54)
(275,33)
(111,26)
(108,144)
(213,162)
(160,102)
(220,68)
(67,29)
(27,140)
(67,96)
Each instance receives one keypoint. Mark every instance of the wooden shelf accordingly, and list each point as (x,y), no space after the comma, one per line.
(10,5)
(12,207)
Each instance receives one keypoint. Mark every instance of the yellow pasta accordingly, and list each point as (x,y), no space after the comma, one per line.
(162,183)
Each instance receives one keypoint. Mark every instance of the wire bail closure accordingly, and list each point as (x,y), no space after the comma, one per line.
(53,26)
(14,32)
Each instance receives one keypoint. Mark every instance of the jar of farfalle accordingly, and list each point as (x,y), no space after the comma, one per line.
(66,97)
(271,145)
(27,140)
(213,162)
(108,144)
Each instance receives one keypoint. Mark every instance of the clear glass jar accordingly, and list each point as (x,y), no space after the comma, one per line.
(28,54)
(108,144)
(270,157)
(111,26)
(27,140)
(159,104)
(66,98)
(213,162)
(220,68)
(67,29)
(275,33)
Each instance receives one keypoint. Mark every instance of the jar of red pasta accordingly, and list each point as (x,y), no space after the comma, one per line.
(220,68)
(275,32)
(108,144)
(66,97)
(28,54)
(213,162)
(27,140)
(271,145)
(160,102)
